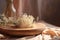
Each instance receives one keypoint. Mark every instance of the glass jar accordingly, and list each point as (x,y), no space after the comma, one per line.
(27,6)
(9,9)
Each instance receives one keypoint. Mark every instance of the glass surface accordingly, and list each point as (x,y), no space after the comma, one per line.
(28,6)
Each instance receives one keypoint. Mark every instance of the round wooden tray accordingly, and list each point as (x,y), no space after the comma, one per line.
(24,31)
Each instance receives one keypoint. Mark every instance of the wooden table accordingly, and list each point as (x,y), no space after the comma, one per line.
(37,37)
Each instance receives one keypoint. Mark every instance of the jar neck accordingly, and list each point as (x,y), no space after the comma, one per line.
(10,10)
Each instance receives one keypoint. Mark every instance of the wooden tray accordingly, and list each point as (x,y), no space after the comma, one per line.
(24,31)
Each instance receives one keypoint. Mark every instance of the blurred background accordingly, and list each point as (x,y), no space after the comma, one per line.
(47,10)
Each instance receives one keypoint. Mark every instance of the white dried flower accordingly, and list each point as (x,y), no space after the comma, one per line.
(25,20)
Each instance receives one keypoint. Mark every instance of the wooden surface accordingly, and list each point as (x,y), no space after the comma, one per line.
(37,29)
(37,37)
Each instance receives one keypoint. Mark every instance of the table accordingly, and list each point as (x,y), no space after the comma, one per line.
(37,37)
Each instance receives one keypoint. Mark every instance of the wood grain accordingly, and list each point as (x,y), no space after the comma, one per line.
(24,31)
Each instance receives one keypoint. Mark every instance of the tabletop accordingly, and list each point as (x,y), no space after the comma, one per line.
(36,37)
